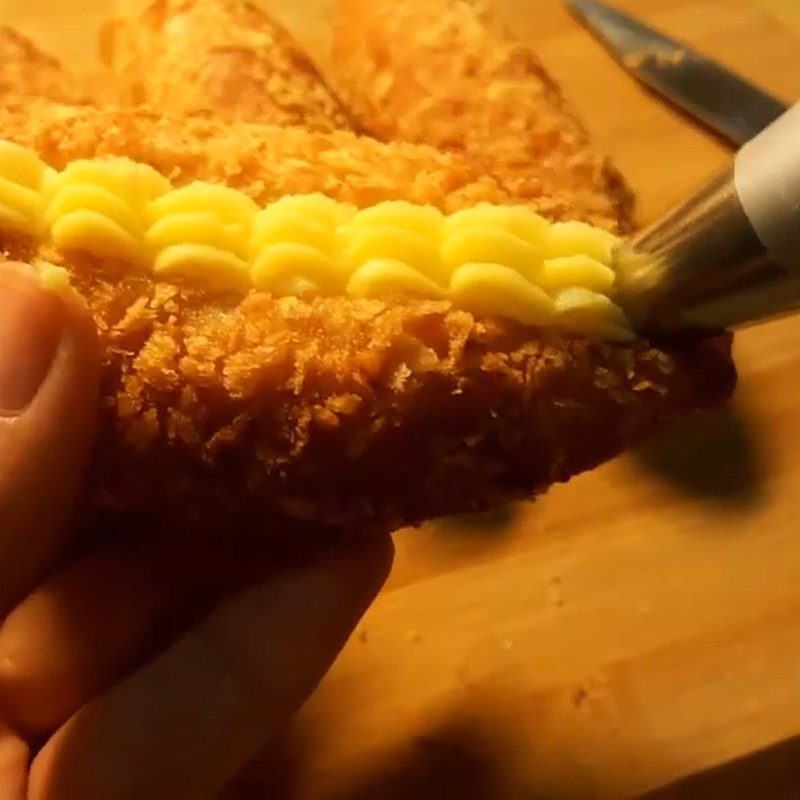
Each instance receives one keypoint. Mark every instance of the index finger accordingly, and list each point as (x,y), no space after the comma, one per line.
(218,694)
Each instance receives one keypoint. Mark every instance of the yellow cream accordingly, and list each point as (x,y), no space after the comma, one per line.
(295,245)
(54,279)
(578,238)
(485,288)
(202,232)
(512,236)
(590,313)
(578,270)
(394,248)
(21,175)
(490,260)
(382,277)
(98,206)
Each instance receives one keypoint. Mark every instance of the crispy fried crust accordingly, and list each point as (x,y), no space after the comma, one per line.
(337,411)
(26,70)
(356,413)
(446,73)
(267,161)
(225,56)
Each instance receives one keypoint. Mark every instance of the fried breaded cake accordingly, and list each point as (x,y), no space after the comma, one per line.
(224,56)
(449,74)
(326,408)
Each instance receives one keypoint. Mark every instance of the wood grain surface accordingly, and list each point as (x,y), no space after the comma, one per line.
(633,628)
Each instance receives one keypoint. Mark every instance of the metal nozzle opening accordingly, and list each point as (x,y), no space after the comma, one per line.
(702,268)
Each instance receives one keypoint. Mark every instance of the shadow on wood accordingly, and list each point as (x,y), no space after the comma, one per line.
(772,773)
(495,521)
(451,763)
(273,773)
(713,457)
(455,760)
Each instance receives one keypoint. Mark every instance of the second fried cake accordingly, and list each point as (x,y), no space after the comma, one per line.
(26,70)
(224,56)
(449,74)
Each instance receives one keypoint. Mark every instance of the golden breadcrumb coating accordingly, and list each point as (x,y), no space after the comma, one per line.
(335,411)
(359,413)
(26,70)
(225,56)
(446,73)
(362,413)
(265,161)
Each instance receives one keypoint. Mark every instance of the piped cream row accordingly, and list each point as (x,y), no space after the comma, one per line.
(491,260)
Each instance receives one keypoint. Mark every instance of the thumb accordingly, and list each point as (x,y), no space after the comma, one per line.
(48,402)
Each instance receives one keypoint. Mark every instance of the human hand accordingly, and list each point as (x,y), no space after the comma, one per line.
(152,667)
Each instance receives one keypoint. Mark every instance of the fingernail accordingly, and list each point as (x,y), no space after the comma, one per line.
(31,319)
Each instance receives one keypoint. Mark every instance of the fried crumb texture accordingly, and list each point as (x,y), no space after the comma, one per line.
(225,56)
(363,413)
(265,161)
(268,161)
(448,73)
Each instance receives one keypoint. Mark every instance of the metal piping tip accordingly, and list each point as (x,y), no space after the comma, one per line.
(702,268)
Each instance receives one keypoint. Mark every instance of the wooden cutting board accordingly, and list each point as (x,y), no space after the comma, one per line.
(635,626)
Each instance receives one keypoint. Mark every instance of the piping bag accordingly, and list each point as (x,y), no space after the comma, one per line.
(727,257)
